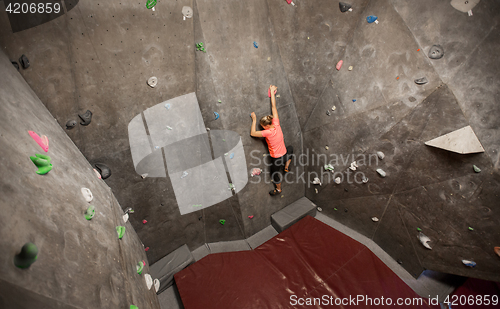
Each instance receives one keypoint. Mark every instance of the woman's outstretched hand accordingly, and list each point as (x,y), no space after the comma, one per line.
(273,88)
(253,116)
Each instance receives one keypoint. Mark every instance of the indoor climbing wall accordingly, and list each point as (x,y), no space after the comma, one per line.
(53,200)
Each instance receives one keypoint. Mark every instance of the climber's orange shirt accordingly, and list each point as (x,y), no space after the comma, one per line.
(275,140)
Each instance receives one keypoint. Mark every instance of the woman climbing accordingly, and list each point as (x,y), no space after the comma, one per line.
(275,141)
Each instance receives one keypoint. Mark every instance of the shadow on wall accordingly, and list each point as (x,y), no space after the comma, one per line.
(31,13)
(204,167)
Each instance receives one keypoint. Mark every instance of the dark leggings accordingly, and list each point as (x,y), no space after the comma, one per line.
(278,163)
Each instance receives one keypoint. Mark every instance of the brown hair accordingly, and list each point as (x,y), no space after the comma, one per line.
(266,120)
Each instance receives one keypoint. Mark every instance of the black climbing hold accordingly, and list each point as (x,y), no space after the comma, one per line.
(15,64)
(328,113)
(200,217)
(421,81)
(70,124)
(25,63)
(27,256)
(86,118)
(103,170)
(399,262)
(345,209)
(345,189)
(436,52)
(344,7)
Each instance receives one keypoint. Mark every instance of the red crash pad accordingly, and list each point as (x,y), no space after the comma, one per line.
(309,265)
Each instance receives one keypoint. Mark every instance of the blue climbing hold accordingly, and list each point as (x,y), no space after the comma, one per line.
(354,100)
(167,106)
(255,45)
(216,115)
(231,155)
(371,18)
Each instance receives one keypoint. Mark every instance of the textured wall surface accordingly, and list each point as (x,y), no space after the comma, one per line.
(81,264)
(99,55)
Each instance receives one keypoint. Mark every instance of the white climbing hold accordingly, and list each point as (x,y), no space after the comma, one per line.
(149,281)
(187,12)
(87,194)
(381,172)
(350,68)
(319,209)
(143,176)
(424,240)
(326,147)
(337,180)
(157,285)
(334,108)
(375,219)
(380,155)
(152,81)
(184,174)
(365,179)
(328,167)
(125,217)
(316,181)
(316,190)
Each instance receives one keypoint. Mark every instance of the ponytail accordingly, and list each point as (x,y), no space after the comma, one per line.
(266,120)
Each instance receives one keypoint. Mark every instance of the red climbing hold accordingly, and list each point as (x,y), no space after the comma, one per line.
(144,221)
(339,65)
(42,141)
(250,217)
(146,249)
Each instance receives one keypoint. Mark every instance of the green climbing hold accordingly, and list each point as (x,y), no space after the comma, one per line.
(418,229)
(471,229)
(150,4)
(42,162)
(199,46)
(90,213)
(476,169)
(121,231)
(334,208)
(220,101)
(133,307)
(27,256)
(222,221)
(139,267)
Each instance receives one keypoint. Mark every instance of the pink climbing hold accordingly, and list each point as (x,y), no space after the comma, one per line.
(146,249)
(97,173)
(144,221)
(42,141)
(143,263)
(288,1)
(339,65)
(251,217)
(256,171)
(269,92)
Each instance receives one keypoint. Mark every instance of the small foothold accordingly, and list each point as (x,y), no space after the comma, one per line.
(424,240)
(219,101)
(421,81)
(339,65)
(226,154)
(90,213)
(282,196)
(380,155)
(104,170)
(345,189)
(277,95)
(129,210)
(346,210)
(255,45)
(436,52)
(418,49)
(320,209)
(97,174)
(316,181)
(27,256)
(231,187)
(167,106)
(139,267)
(200,217)
(71,124)
(375,219)
(419,229)
(222,221)
(344,7)
(157,147)
(223,140)
(365,179)
(86,118)
(337,180)
(350,68)
(335,209)
(152,81)
(370,19)
(328,113)
(381,172)
(216,115)
(326,147)
(334,108)
(143,176)
(120,230)
(231,155)
(146,249)
(15,64)
(125,218)
(169,128)
(316,190)
(268,58)
(354,100)
(256,171)
(471,229)
(399,262)
(397,77)
(144,221)
(250,217)
(469,263)
(476,169)
(208,129)
(184,174)
(24,62)
(187,12)
(87,194)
